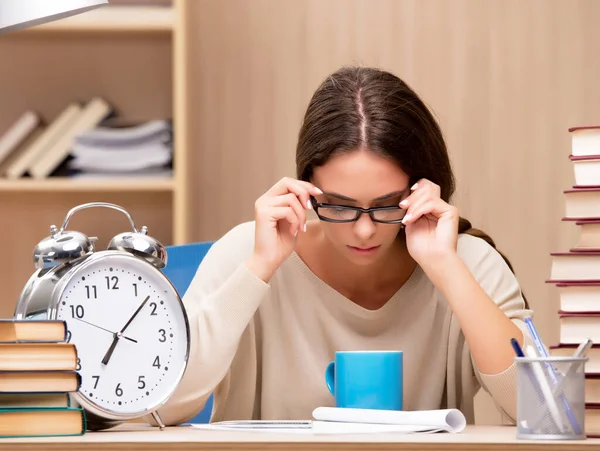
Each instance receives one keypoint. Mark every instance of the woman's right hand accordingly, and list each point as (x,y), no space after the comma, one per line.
(279,215)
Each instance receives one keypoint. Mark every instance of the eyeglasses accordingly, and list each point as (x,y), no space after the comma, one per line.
(345,213)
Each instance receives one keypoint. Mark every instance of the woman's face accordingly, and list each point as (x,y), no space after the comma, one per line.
(361,179)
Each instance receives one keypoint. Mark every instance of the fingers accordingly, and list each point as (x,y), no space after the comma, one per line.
(300,188)
(424,199)
(426,185)
(292,201)
(287,213)
(420,208)
(287,193)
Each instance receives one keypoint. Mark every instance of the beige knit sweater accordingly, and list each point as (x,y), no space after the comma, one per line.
(263,348)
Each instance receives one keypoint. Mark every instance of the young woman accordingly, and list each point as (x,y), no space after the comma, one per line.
(387,263)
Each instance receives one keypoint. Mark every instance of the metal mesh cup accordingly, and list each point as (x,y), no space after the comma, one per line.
(550,397)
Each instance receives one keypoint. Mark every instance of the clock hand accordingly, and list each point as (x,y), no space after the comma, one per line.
(110,331)
(135,314)
(110,349)
(118,335)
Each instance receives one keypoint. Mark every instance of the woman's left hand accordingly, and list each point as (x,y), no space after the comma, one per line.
(431,224)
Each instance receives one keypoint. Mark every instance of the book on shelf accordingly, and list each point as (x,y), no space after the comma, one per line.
(56,152)
(88,141)
(17,133)
(22,149)
(37,147)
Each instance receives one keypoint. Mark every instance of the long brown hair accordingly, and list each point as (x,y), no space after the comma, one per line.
(362,107)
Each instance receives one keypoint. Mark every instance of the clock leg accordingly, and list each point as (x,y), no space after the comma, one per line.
(156,418)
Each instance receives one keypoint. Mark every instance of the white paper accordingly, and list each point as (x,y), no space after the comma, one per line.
(333,420)
(449,420)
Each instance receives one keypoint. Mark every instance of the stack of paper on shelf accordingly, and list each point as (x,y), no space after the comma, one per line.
(139,150)
(38,370)
(86,141)
(576,272)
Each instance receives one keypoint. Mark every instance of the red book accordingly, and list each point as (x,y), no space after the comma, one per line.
(592,420)
(575,266)
(586,169)
(580,221)
(585,140)
(582,203)
(579,296)
(576,327)
(584,127)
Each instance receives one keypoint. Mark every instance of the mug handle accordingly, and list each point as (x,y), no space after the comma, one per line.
(330,377)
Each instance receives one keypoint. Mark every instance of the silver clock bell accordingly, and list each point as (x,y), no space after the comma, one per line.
(64,246)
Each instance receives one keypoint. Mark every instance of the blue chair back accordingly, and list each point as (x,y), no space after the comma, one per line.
(182,264)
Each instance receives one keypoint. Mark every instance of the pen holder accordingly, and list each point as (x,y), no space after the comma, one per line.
(551,398)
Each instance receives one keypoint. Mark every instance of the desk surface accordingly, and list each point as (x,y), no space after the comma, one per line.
(142,437)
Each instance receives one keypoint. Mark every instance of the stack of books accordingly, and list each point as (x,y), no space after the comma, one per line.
(576,273)
(85,138)
(38,370)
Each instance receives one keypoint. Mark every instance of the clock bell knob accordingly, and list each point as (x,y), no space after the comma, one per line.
(61,247)
(142,245)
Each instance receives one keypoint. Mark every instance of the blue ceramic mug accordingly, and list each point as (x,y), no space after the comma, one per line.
(366,379)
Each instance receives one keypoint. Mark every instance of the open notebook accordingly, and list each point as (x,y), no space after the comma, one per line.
(337,420)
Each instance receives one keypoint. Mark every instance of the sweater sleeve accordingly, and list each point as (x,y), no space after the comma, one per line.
(498,281)
(220,303)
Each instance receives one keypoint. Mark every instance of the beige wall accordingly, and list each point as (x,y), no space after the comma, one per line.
(506,78)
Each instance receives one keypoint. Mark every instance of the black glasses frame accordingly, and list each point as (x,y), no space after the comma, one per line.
(359,211)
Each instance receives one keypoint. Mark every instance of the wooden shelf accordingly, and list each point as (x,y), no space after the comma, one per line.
(65,184)
(114,19)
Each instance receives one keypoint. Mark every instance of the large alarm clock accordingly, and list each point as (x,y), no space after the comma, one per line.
(124,316)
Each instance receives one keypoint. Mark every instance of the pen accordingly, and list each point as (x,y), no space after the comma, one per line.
(553,377)
(545,397)
(538,371)
(583,348)
(581,351)
(517,347)
(536,338)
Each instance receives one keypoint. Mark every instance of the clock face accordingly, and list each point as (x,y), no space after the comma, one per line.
(130,333)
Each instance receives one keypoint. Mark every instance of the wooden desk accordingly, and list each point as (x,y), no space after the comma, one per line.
(142,437)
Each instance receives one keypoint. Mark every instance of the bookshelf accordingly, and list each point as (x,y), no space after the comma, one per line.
(114,18)
(134,58)
(66,184)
